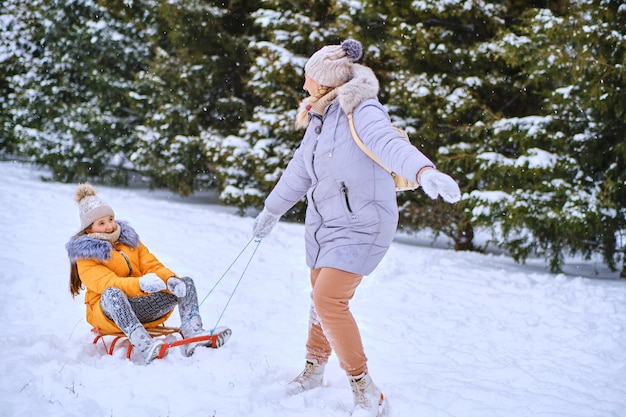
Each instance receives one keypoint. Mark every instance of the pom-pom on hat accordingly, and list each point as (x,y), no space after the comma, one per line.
(90,206)
(331,66)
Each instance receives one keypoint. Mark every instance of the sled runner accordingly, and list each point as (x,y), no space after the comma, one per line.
(159,331)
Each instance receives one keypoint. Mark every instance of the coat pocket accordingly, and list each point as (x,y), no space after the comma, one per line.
(346,199)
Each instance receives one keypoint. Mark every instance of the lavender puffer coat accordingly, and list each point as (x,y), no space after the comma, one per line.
(352,212)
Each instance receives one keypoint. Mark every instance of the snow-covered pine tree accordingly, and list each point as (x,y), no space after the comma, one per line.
(192,96)
(567,191)
(15,51)
(69,77)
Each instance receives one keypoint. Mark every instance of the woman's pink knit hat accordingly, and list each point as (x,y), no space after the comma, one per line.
(331,66)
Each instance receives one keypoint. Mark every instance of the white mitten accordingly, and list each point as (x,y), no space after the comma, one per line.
(151,283)
(435,183)
(264,223)
(177,287)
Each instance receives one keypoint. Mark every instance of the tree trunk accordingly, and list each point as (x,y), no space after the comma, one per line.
(465,238)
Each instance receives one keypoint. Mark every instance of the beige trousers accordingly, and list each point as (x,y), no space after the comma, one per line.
(332,326)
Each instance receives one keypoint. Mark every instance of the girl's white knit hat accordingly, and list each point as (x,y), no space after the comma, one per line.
(331,66)
(90,206)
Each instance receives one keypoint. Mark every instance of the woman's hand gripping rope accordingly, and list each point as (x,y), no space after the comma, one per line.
(264,223)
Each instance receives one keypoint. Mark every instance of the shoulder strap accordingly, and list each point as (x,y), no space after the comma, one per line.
(401,183)
(364,148)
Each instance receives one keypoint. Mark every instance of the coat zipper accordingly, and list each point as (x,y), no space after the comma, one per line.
(130,268)
(313,191)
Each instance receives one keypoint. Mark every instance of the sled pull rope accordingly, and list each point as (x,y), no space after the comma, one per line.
(228,269)
(238,281)
(221,278)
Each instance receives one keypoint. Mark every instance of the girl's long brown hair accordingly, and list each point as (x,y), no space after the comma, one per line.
(75,283)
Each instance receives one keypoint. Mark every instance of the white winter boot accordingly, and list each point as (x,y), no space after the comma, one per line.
(218,337)
(310,378)
(193,328)
(368,399)
(148,347)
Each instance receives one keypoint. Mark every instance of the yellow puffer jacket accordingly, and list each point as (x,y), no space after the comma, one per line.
(102,265)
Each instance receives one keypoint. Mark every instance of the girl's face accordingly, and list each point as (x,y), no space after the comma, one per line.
(104,224)
(310,86)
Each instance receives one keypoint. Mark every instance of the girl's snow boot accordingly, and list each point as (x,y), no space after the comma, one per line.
(217,339)
(148,347)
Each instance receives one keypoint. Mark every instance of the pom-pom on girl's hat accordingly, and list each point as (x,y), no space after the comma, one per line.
(331,66)
(90,206)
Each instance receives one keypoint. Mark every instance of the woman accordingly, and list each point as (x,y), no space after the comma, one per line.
(128,289)
(352,212)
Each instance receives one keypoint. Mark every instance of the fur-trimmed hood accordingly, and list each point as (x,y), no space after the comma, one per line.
(86,247)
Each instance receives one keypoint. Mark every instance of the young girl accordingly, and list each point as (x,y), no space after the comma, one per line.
(352,212)
(128,289)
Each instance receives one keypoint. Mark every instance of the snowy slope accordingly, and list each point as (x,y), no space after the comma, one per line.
(446,333)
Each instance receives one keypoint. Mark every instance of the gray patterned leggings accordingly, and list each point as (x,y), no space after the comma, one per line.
(129,313)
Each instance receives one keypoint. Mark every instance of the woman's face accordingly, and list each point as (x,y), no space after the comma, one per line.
(104,224)
(310,86)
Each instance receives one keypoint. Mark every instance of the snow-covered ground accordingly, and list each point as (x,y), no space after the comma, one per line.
(446,333)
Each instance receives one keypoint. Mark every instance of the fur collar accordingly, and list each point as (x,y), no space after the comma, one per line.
(84,246)
(363,86)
